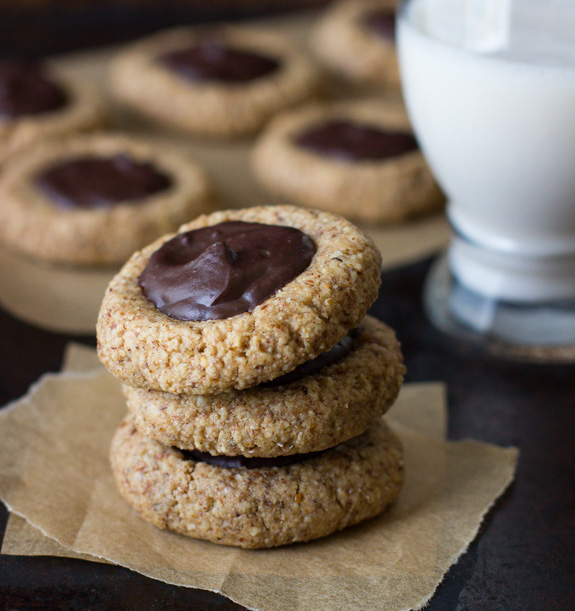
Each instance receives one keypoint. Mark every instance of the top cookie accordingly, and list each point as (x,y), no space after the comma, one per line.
(222,81)
(146,348)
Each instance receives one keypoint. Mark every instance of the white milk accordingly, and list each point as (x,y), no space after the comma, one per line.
(498,129)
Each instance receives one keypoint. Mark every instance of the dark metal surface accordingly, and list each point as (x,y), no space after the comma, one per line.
(524,556)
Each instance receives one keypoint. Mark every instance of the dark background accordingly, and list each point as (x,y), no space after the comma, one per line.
(34,28)
(524,556)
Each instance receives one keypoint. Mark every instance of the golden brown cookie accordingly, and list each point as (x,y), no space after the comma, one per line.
(357,40)
(80,108)
(259,507)
(386,189)
(334,404)
(38,223)
(142,79)
(145,348)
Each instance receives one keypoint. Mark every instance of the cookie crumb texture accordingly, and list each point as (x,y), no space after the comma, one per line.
(147,349)
(317,412)
(258,508)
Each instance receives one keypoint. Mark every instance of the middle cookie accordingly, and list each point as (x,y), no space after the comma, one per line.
(320,404)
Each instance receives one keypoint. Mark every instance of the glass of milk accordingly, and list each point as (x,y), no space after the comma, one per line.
(490,89)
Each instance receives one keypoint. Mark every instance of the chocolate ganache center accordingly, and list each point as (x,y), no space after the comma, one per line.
(325,359)
(26,90)
(96,182)
(346,140)
(381,22)
(227,269)
(256,462)
(214,60)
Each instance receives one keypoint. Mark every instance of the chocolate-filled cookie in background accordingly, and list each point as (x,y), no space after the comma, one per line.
(221,81)
(36,102)
(357,40)
(357,159)
(94,199)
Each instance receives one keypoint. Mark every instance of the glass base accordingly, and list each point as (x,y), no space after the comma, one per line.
(542,332)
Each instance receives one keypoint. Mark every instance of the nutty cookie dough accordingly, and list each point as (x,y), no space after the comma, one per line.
(94,199)
(358,159)
(357,39)
(37,102)
(263,506)
(318,411)
(221,81)
(145,348)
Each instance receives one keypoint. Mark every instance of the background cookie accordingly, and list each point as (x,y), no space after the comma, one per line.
(396,186)
(145,348)
(142,79)
(317,412)
(69,106)
(34,221)
(357,40)
(265,507)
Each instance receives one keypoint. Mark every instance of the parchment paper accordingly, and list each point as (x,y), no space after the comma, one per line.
(53,461)
(421,406)
(69,299)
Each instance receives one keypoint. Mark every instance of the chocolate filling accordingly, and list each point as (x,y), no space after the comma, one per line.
(347,140)
(96,182)
(227,269)
(339,351)
(25,90)
(214,60)
(235,462)
(381,22)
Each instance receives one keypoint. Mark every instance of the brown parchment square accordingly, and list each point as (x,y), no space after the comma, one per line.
(420,407)
(54,466)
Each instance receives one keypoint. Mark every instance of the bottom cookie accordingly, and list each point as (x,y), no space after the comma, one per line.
(259,507)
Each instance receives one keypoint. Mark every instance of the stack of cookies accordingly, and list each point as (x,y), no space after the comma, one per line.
(255,383)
